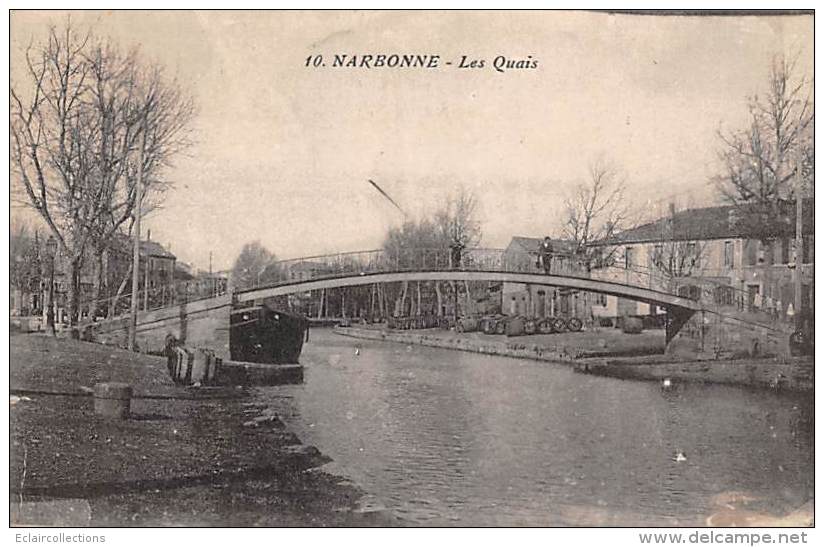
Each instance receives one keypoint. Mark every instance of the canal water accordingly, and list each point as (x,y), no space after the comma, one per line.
(440,437)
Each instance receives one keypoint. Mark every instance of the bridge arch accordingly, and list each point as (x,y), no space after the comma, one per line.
(642,294)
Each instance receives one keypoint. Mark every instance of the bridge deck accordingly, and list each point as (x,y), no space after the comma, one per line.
(634,292)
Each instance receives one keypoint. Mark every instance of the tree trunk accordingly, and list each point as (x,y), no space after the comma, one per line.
(120,289)
(403,297)
(104,275)
(439,298)
(73,289)
(418,304)
(97,281)
(468,305)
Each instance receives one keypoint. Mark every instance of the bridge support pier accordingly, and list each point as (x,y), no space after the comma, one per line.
(676,319)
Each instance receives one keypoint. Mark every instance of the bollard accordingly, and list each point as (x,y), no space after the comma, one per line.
(112,399)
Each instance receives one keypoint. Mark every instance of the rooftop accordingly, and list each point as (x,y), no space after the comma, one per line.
(718,222)
(147,247)
(533,244)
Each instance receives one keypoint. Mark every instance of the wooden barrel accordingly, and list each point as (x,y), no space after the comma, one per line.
(632,325)
(559,325)
(545,326)
(514,326)
(500,326)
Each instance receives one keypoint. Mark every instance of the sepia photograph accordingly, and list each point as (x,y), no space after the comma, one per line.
(413,268)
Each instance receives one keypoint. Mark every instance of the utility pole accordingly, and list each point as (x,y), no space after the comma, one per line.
(146,282)
(136,255)
(799,241)
(211,279)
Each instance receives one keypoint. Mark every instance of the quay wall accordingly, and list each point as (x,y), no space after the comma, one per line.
(777,372)
(710,334)
(451,340)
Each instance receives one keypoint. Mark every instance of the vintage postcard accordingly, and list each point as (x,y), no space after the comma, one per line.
(412,268)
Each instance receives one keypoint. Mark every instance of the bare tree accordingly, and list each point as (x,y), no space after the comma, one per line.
(458,225)
(676,259)
(596,211)
(25,265)
(457,222)
(759,160)
(78,119)
(251,265)
(427,242)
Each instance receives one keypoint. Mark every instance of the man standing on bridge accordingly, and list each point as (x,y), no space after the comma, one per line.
(457,248)
(545,254)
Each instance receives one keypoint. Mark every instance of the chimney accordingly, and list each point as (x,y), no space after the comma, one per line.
(671,210)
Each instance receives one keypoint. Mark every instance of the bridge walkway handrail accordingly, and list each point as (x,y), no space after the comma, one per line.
(710,291)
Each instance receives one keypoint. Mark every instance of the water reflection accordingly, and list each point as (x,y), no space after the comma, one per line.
(443,437)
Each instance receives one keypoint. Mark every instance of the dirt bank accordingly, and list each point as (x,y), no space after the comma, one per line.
(187,456)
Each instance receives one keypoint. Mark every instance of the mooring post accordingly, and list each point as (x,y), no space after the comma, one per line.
(112,400)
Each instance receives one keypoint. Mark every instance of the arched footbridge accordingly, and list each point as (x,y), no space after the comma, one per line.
(473,265)
(318,273)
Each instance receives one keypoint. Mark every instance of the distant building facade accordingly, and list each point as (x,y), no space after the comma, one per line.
(704,249)
(540,301)
(157,272)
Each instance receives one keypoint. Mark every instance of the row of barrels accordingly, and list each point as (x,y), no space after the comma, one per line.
(518,326)
(418,322)
(490,324)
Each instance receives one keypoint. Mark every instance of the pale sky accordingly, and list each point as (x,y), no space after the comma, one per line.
(284,152)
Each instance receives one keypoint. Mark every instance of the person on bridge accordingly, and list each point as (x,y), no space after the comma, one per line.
(545,254)
(457,249)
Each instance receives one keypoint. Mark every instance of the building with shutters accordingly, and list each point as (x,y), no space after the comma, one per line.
(704,248)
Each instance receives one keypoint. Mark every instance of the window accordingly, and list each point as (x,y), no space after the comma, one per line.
(769,252)
(657,254)
(729,254)
(628,257)
(691,255)
(751,252)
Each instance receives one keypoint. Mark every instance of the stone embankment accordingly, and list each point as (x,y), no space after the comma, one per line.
(611,353)
(184,456)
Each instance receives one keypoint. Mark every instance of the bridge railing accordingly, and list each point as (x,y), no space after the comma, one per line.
(424,259)
(153,298)
(707,291)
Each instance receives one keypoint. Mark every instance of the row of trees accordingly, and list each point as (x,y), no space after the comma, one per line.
(456,225)
(25,257)
(85,118)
